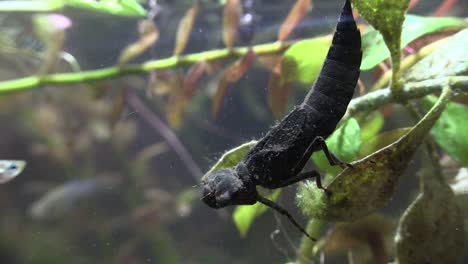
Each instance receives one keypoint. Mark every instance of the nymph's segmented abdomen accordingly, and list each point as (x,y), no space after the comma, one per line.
(335,84)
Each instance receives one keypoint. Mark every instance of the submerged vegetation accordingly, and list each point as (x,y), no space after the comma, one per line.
(119,108)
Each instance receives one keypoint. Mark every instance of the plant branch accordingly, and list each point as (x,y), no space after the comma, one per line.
(171,138)
(411,90)
(146,67)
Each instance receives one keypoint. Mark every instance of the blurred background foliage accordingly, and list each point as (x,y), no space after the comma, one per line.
(113,165)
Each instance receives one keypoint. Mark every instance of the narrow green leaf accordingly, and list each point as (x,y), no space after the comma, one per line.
(449,131)
(373,45)
(299,65)
(244,215)
(131,8)
(31,6)
(344,143)
(232,157)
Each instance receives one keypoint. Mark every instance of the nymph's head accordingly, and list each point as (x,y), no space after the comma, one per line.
(224,187)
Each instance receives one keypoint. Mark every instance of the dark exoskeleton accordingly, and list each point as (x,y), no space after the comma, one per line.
(278,158)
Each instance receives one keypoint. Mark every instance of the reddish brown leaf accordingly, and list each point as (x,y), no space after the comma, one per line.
(445,7)
(232,74)
(270,61)
(278,93)
(362,87)
(193,77)
(177,102)
(297,13)
(412,4)
(118,107)
(213,66)
(218,97)
(185,28)
(387,110)
(149,34)
(231,16)
(159,82)
(240,67)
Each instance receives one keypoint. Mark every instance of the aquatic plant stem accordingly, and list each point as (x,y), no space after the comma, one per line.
(412,90)
(36,81)
(157,124)
(306,249)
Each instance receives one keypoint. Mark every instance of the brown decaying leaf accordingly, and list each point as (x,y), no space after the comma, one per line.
(118,107)
(362,87)
(278,94)
(240,67)
(213,66)
(297,13)
(176,102)
(374,232)
(445,7)
(232,74)
(278,91)
(149,34)
(231,16)
(185,28)
(192,78)
(218,97)
(270,62)
(387,110)
(412,4)
(179,89)
(160,82)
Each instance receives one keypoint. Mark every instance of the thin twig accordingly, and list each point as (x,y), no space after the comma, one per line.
(157,124)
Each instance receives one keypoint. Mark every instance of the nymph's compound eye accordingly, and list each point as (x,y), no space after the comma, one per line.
(220,188)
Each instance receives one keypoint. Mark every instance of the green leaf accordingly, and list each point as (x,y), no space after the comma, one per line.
(344,143)
(373,45)
(304,59)
(372,126)
(232,157)
(449,131)
(387,17)
(382,140)
(450,59)
(371,182)
(30,6)
(130,8)
(244,215)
